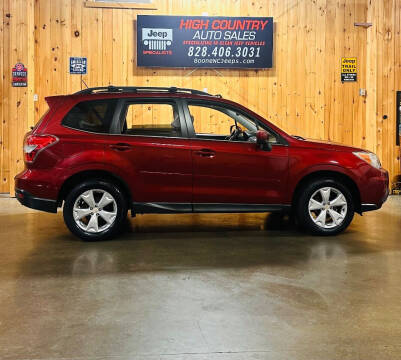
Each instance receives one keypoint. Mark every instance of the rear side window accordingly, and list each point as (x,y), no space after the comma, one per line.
(152,119)
(94,116)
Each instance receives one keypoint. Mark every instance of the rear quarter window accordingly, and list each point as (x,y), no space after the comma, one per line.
(93,116)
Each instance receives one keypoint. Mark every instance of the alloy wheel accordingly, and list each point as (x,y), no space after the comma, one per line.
(328,207)
(95,210)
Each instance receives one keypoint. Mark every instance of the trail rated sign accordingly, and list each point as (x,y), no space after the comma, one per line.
(348,69)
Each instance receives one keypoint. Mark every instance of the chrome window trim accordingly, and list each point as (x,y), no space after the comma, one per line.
(110,134)
(235,142)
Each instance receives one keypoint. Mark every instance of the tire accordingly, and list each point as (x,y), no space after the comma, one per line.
(95,210)
(316,199)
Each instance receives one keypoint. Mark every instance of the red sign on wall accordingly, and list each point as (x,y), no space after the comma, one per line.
(19,75)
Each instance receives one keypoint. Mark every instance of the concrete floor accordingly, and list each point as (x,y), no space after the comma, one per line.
(196,287)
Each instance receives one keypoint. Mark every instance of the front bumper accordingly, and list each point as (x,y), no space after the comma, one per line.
(376,191)
(27,199)
(370,207)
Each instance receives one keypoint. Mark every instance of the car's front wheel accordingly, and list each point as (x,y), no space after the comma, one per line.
(95,210)
(325,207)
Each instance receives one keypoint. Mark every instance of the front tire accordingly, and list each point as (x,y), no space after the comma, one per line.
(95,210)
(325,207)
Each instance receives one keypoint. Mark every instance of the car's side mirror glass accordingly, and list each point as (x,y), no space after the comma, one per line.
(262,140)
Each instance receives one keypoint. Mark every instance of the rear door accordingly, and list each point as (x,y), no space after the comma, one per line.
(228,170)
(151,150)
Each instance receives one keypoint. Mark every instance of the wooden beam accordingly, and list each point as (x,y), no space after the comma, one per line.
(119,5)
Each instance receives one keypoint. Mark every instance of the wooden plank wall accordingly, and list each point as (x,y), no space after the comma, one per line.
(302,93)
(16,104)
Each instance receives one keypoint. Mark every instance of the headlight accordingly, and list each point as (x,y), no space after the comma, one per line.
(370,158)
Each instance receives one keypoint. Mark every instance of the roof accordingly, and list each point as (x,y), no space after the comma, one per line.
(141,89)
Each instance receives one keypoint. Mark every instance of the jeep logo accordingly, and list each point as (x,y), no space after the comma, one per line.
(157,35)
(157,39)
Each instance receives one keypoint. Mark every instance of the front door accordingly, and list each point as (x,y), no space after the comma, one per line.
(228,167)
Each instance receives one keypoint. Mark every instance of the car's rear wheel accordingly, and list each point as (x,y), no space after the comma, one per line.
(95,210)
(325,207)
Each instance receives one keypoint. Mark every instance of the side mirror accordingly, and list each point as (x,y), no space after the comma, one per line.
(262,140)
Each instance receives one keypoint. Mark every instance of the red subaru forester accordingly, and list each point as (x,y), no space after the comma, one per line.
(102,151)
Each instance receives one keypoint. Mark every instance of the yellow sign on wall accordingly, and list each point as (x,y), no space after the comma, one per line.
(348,69)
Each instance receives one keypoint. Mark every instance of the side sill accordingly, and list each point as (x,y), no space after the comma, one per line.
(239,208)
(174,208)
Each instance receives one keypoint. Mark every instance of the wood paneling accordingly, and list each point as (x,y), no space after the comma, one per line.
(119,5)
(16,104)
(302,93)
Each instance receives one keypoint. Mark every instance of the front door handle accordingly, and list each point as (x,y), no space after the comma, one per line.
(120,147)
(205,153)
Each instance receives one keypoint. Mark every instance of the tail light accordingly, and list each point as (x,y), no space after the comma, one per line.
(34,144)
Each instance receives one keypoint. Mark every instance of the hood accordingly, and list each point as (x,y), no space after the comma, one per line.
(326,145)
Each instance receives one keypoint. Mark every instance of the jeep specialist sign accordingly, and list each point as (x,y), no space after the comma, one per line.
(202,41)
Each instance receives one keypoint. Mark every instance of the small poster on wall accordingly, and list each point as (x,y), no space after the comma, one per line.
(203,41)
(19,75)
(78,65)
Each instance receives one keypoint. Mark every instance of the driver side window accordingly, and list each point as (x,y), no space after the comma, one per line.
(210,121)
(215,122)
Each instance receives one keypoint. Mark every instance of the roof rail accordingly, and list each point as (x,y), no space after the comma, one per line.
(138,89)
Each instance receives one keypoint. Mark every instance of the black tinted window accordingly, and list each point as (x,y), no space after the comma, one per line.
(94,116)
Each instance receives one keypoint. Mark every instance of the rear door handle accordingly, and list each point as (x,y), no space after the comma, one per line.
(120,147)
(205,153)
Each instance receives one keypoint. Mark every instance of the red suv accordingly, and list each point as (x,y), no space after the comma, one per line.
(102,151)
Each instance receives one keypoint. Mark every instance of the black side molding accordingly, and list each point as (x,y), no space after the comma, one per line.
(28,200)
(173,208)
(239,208)
(161,208)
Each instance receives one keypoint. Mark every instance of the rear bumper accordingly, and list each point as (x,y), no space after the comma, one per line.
(28,200)
(38,182)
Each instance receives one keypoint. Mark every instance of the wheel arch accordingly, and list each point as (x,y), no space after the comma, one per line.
(81,176)
(341,177)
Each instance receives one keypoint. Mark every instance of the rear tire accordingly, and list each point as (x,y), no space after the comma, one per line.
(95,210)
(325,207)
